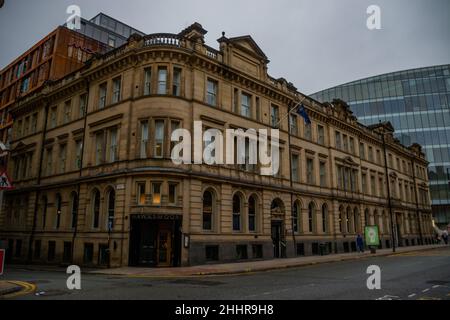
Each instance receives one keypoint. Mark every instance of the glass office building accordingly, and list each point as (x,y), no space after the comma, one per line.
(107,30)
(417,103)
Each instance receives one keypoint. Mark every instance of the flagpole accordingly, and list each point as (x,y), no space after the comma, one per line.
(290,110)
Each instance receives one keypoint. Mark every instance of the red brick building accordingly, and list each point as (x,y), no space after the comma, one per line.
(56,55)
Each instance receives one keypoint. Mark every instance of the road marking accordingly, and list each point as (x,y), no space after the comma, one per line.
(436,286)
(388,297)
(27,289)
(412,295)
(426,290)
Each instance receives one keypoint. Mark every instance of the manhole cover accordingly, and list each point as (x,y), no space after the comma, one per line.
(197,282)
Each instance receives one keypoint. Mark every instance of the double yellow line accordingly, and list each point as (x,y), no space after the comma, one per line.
(27,289)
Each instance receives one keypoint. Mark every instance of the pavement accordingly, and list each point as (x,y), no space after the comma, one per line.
(252,266)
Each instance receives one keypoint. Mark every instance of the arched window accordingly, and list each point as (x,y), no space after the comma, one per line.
(252,214)
(367,217)
(44,211)
(111,208)
(237,209)
(311,217)
(208,210)
(74,209)
(375,219)
(58,210)
(96,208)
(324,218)
(295,217)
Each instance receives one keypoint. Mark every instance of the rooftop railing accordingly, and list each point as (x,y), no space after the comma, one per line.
(163,39)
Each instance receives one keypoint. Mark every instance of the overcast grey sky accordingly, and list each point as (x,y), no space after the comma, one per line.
(315,44)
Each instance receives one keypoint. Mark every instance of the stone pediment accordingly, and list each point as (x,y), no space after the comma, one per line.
(248,45)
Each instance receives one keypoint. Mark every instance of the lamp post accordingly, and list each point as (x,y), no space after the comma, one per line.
(388,191)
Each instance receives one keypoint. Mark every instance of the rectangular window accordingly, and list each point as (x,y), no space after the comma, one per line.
(117,87)
(159,139)
(141,194)
(102,96)
(62,158)
(352,145)
(144,140)
(308,131)
(323,174)
(246,104)
(67,252)
(293,128)
(99,151)
(156,193)
(364,183)
(381,186)
(174,125)
(83,106)
(176,85)
(162,80)
(274,116)
(362,151)
(53,117)
(373,189)
(172,193)
(51,252)
(370,154)
(78,150)
(67,111)
(295,172)
(34,120)
(212,253)
(211,93)
(88,256)
(49,161)
(26,126)
(378,156)
(320,135)
(310,171)
(147,81)
(345,141)
(113,148)
(338,140)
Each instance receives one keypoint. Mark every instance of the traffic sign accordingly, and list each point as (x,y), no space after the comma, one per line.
(5,182)
(2,260)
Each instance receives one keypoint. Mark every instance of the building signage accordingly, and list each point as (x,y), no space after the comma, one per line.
(372,236)
(156,217)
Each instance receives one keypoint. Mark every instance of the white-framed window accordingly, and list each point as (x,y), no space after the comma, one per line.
(162,80)
(211,92)
(176,83)
(113,147)
(147,81)
(117,88)
(144,140)
(102,95)
(159,139)
(246,105)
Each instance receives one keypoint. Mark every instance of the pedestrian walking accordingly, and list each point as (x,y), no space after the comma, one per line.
(445,237)
(360,243)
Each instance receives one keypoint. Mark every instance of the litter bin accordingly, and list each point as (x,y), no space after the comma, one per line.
(323,249)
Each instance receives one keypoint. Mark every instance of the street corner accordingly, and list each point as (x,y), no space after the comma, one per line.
(12,289)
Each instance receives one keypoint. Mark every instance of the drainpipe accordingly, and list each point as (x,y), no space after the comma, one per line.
(388,182)
(38,182)
(417,203)
(80,173)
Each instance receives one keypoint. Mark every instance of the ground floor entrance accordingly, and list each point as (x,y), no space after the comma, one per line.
(279,244)
(155,241)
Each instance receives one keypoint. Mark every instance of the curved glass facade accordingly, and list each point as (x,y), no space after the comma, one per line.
(417,103)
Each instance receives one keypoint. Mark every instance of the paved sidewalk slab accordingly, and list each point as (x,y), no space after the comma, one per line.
(8,288)
(252,266)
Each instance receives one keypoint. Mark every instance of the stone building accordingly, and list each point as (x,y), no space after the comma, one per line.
(96,186)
